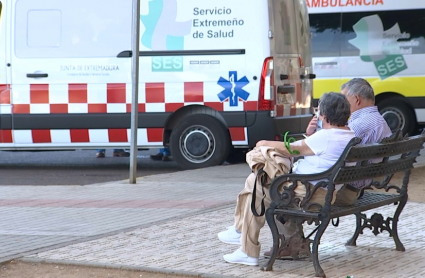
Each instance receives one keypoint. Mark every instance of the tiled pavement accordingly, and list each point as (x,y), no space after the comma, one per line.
(117,224)
(34,217)
(191,245)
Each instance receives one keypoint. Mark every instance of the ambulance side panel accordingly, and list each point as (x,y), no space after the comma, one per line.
(69,88)
(210,64)
(70,74)
(5,106)
(384,43)
(72,79)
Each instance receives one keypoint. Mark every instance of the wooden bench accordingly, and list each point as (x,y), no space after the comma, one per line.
(398,154)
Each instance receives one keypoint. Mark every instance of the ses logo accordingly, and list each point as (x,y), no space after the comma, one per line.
(380,46)
(164,32)
(167,64)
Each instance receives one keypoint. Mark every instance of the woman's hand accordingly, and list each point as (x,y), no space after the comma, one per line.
(312,126)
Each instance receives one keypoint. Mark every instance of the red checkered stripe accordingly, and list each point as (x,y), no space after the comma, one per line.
(145,136)
(105,98)
(5,107)
(112,98)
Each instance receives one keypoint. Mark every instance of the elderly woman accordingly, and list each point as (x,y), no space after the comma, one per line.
(320,150)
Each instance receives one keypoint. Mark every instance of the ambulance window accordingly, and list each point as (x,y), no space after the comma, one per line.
(71,29)
(326,34)
(405,26)
(285,31)
(44,28)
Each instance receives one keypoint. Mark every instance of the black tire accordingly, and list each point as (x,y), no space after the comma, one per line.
(199,141)
(236,155)
(398,115)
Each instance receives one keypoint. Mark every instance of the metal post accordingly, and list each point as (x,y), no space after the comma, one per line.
(135,93)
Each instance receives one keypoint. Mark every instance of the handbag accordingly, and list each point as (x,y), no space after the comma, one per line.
(262,176)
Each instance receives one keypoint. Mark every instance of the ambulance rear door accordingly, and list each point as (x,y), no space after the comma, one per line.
(292,71)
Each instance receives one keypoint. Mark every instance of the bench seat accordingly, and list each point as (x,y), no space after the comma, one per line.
(370,200)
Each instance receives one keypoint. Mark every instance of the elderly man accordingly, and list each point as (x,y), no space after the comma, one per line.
(367,124)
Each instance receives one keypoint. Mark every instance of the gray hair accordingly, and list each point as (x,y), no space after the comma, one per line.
(335,107)
(359,87)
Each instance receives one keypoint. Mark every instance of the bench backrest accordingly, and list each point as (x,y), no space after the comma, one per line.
(397,154)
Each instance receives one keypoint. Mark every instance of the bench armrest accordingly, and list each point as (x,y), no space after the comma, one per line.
(282,190)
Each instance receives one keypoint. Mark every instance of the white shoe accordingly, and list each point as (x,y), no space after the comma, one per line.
(230,236)
(239,257)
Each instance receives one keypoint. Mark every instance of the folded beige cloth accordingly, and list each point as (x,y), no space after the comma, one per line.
(272,162)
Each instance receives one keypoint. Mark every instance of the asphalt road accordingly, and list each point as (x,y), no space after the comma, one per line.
(78,167)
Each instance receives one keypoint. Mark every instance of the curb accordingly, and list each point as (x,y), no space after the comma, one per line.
(123,267)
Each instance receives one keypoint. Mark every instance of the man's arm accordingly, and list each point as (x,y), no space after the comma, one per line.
(300,146)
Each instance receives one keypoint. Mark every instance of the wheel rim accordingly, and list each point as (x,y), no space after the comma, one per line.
(394,118)
(197,144)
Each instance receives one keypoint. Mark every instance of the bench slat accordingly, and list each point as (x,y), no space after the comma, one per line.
(348,174)
(379,150)
(370,200)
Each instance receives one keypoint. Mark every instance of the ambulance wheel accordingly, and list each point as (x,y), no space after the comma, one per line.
(199,141)
(398,115)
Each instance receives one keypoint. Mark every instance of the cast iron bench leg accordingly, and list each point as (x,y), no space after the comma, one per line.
(352,241)
(398,245)
(271,221)
(322,227)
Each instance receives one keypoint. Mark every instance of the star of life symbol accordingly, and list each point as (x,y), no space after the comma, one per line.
(233,88)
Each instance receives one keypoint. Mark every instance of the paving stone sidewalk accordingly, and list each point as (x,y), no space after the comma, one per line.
(123,225)
(35,218)
(190,245)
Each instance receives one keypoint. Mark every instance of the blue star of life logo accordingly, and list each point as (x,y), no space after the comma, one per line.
(233,88)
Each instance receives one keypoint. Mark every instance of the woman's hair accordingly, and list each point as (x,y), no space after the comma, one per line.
(335,107)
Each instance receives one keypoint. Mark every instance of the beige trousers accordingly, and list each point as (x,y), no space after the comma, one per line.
(250,225)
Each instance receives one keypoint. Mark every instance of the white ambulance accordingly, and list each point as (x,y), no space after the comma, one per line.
(380,40)
(215,76)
